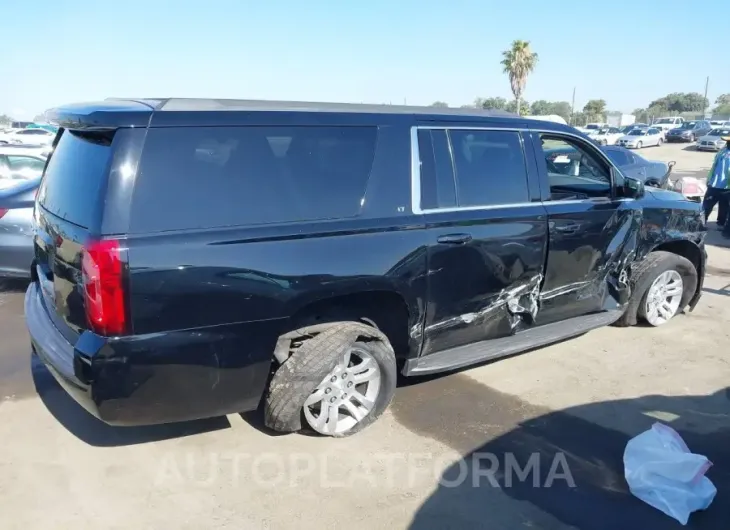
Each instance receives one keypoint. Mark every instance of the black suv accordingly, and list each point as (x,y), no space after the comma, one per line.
(689,131)
(195,257)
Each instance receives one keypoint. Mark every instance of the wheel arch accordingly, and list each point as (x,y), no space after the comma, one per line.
(386,309)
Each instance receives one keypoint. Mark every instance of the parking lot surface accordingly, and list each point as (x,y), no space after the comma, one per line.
(574,405)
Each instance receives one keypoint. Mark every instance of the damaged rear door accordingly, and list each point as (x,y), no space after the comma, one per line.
(487,231)
(592,229)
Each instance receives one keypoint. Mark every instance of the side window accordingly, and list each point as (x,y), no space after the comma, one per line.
(226,176)
(653,131)
(25,166)
(575,171)
(490,167)
(438,189)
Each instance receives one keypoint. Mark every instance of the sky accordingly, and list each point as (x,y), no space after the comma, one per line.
(628,52)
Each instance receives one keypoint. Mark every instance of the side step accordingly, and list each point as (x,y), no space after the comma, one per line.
(461,356)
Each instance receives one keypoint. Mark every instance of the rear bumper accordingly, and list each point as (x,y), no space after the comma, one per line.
(156,378)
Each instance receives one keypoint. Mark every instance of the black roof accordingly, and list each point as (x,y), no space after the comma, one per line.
(166,112)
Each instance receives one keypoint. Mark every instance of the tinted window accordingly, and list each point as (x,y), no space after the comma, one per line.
(617,156)
(208,177)
(653,131)
(74,176)
(575,172)
(490,167)
(438,189)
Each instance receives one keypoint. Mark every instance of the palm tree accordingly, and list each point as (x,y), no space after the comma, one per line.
(518,62)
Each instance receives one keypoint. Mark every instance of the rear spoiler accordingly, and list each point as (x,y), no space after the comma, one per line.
(104,115)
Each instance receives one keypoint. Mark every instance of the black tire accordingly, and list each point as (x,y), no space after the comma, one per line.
(639,145)
(644,274)
(297,378)
(691,138)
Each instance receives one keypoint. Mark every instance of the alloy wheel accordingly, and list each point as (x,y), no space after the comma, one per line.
(346,395)
(664,297)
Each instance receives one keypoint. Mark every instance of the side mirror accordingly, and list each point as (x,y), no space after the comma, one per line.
(633,188)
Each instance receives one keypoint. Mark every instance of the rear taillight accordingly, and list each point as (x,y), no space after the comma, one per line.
(2,212)
(102,269)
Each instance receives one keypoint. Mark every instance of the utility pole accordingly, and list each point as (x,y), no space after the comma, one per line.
(704,105)
(572,107)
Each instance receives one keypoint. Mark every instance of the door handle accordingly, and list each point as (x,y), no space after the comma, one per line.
(568,228)
(454,239)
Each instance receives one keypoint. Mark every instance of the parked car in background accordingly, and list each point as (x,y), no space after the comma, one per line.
(643,137)
(669,123)
(16,227)
(606,136)
(719,123)
(168,282)
(20,162)
(689,131)
(713,141)
(30,137)
(654,173)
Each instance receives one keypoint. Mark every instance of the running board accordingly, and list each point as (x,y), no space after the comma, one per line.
(462,356)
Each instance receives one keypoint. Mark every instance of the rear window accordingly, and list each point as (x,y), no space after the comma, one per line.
(74,176)
(206,177)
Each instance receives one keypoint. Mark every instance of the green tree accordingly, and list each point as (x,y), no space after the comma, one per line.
(722,100)
(595,110)
(439,104)
(524,107)
(491,103)
(579,119)
(678,102)
(5,120)
(543,108)
(518,63)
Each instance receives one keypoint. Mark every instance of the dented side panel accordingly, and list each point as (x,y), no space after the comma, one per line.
(488,287)
(587,268)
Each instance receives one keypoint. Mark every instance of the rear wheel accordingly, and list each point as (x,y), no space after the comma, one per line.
(661,286)
(338,382)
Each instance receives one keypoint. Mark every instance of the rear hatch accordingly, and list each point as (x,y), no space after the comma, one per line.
(68,218)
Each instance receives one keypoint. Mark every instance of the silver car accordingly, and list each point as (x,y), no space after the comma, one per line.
(21,162)
(16,228)
(713,140)
(643,137)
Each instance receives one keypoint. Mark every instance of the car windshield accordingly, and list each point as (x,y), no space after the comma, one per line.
(719,132)
(664,121)
(688,125)
(603,131)
(592,126)
(638,132)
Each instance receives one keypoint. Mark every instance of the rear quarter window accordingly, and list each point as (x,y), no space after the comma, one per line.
(75,173)
(208,177)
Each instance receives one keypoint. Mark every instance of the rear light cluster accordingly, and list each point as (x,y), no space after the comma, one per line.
(2,212)
(102,269)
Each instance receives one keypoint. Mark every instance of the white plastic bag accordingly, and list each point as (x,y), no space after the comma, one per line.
(661,471)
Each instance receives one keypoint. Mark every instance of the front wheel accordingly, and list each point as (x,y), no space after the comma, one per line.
(338,382)
(691,138)
(639,145)
(662,285)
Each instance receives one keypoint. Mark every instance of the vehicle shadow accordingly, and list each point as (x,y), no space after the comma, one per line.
(577,477)
(13,285)
(94,432)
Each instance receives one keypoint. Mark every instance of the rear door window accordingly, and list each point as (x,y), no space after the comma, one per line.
(490,167)
(74,176)
(207,177)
